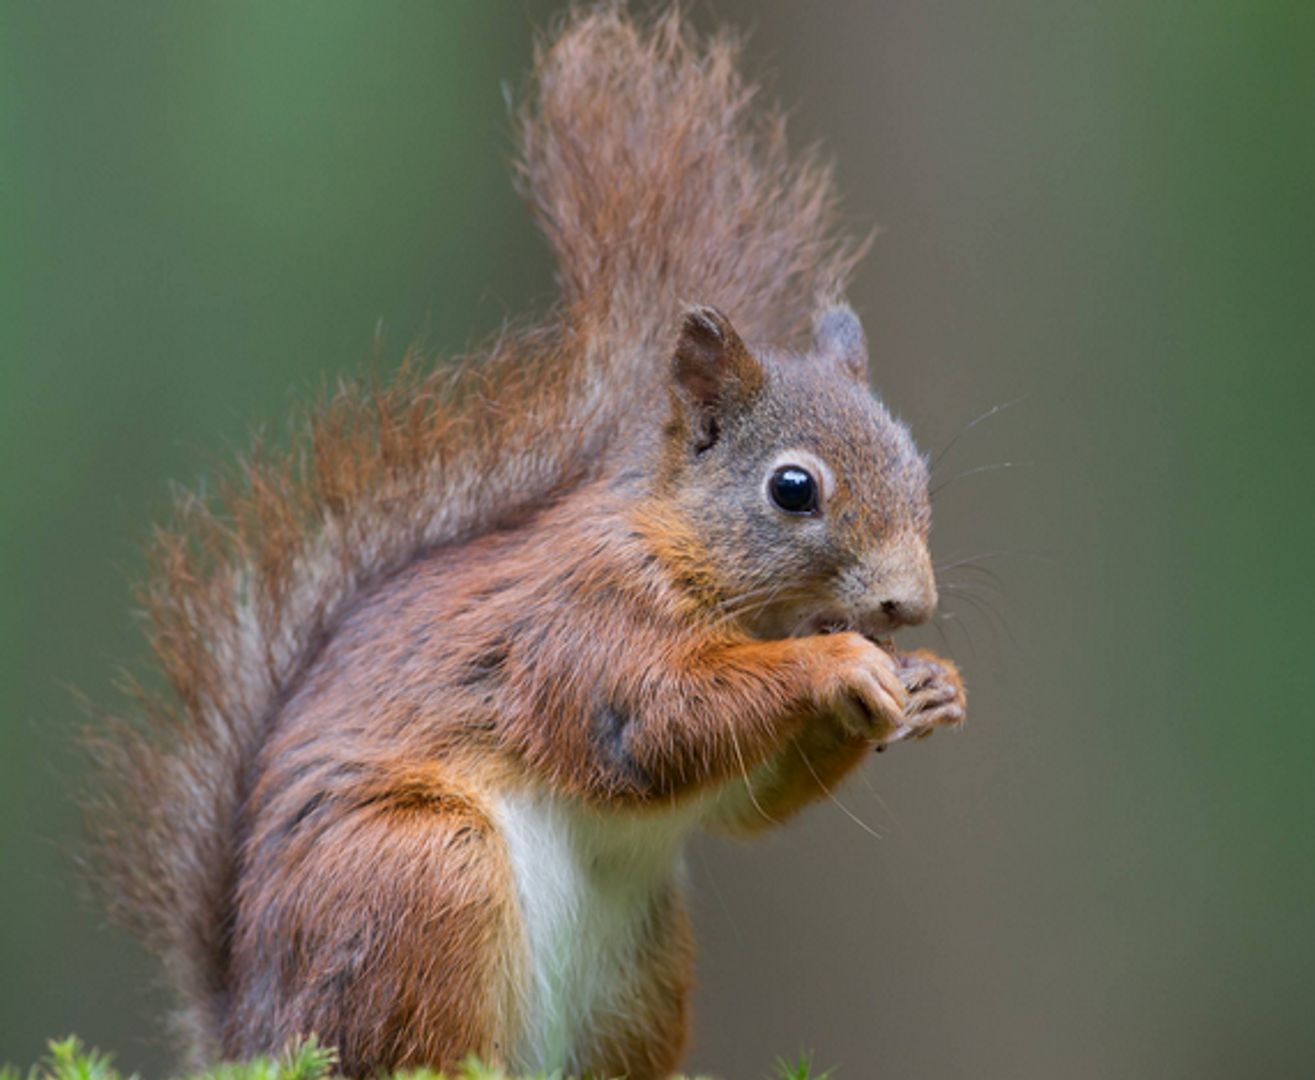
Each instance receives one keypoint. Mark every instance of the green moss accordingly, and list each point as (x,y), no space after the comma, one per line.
(68,1059)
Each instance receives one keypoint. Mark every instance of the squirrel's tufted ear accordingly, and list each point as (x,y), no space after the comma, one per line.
(839,338)
(712,370)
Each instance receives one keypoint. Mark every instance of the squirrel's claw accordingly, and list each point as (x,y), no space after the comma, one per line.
(935,696)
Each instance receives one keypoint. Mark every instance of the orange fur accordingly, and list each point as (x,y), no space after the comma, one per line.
(476,583)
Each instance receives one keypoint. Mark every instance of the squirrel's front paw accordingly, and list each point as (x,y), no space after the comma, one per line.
(935,695)
(862,687)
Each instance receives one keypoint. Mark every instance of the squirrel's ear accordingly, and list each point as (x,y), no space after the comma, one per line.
(839,338)
(712,370)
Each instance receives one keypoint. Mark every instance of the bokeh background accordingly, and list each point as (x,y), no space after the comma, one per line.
(1101,212)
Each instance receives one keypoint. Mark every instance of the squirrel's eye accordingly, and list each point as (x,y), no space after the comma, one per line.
(793,489)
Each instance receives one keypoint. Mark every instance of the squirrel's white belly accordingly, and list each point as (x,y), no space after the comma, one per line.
(584,884)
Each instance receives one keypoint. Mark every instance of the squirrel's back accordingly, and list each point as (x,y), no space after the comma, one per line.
(656,182)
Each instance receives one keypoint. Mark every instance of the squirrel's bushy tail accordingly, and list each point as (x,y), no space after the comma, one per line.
(656,184)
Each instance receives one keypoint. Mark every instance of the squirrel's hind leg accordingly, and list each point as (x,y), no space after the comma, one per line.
(386,928)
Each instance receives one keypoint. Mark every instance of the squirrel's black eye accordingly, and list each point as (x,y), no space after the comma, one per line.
(793,489)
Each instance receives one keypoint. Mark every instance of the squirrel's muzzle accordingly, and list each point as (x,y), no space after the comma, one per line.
(899,590)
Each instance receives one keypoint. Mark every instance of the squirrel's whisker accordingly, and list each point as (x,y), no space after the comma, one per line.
(974,559)
(992,617)
(995,467)
(994,410)
(979,588)
(748,783)
(830,796)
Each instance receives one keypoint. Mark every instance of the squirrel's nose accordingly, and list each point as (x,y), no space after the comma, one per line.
(907,593)
(907,612)
(897,588)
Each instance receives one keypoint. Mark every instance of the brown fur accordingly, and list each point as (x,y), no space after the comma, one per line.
(551,569)
(658,183)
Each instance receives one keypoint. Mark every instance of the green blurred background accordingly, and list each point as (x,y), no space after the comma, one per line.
(1102,208)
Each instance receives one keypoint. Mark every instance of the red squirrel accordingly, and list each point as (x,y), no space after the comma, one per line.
(453,678)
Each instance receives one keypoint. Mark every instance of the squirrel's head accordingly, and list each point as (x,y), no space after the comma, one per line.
(802,501)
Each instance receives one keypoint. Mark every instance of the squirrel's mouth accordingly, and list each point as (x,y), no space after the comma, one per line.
(828,621)
(822,622)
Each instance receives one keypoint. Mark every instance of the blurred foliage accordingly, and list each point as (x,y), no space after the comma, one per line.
(68,1059)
